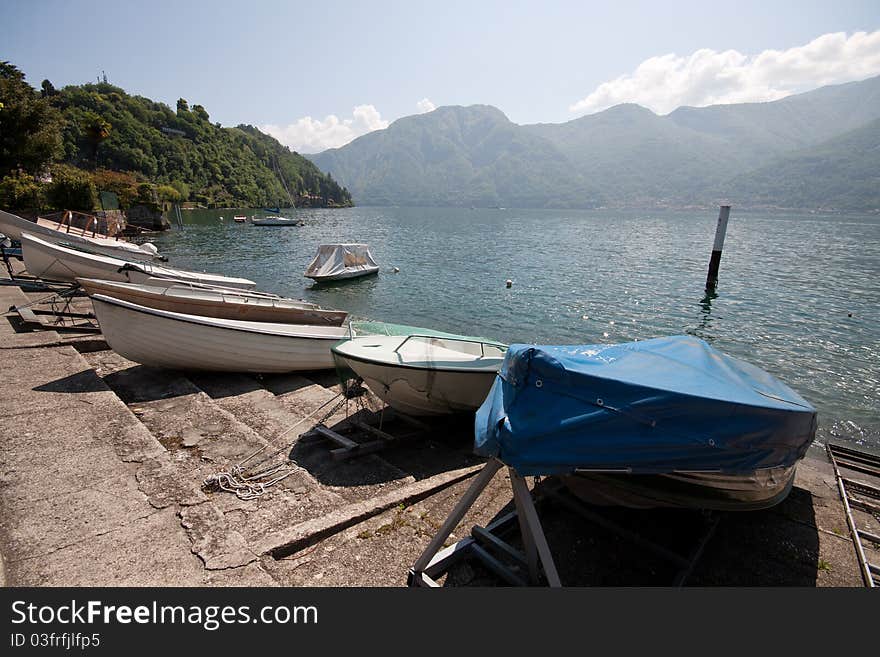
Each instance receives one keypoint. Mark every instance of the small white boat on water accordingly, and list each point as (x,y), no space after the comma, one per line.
(13,226)
(424,374)
(335,262)
(220,304)
(239,219)
(277,221)
(44,259)
(160,338)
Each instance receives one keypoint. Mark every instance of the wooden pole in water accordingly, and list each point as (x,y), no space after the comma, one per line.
(715,260)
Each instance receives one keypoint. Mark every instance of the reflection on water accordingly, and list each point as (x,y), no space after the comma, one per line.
(797,294)
(701,330)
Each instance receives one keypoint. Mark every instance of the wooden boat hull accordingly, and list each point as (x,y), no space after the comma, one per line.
(209,303)
(13,226)
(698,490)
(53,262)
(163,339)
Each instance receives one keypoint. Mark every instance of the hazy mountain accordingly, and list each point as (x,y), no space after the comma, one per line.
(456,156)
(842,173)
(624,156)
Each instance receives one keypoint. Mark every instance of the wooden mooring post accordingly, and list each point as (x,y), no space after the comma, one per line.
(715,260)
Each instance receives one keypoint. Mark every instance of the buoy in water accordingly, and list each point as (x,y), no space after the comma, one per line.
(509,283)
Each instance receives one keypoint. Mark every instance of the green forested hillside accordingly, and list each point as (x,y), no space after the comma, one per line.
(221,166)
(101,128)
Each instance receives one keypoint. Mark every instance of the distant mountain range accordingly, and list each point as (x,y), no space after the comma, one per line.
(815,150)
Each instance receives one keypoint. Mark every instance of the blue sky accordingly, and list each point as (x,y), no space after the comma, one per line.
(291,66)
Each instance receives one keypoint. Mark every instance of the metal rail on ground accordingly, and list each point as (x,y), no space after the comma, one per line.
(861,495)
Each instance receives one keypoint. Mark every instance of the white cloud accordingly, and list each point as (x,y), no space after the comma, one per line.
(425,105)
(308,135)
(708,77)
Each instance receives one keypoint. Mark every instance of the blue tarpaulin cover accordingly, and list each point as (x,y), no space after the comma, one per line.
(655,406)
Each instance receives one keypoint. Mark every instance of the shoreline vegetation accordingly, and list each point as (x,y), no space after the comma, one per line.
(95,147)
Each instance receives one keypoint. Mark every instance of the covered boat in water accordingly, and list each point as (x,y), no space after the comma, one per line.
(335,262)
(670,421)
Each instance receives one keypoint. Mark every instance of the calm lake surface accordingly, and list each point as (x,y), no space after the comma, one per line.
(798,294)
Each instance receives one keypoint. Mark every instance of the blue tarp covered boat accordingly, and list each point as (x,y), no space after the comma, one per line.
(659,406)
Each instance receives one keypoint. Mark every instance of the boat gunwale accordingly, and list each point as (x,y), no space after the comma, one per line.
(206,321)
(447,368)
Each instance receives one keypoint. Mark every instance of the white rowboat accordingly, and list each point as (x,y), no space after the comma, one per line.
(59,263)
(424,375)
(215,303)
(13,226)
(160,338)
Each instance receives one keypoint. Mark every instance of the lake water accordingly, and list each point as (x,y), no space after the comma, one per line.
(798,295)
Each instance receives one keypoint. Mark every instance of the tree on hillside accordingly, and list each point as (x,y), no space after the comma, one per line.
(30,128)
(201,112)
(97,129)
(48,89)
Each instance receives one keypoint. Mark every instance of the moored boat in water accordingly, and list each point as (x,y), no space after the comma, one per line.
(212,302)
(334,262)
(424,372)
(664,422)
(277,221)
(160,338)
(43,259)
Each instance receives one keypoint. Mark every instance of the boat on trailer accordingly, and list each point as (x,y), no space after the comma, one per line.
(217,303)
(13,226)
(334,262)
(43,259)
(424,372)
(664,422)
(165,339)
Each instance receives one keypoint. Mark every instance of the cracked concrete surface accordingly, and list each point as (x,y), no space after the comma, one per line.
(102,464)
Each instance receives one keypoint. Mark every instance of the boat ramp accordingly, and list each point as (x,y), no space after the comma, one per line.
(104,464)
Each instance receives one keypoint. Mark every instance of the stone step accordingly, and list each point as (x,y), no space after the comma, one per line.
(281,408)
(72,508)
(204,434)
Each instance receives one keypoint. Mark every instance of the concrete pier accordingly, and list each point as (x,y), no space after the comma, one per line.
(102,462)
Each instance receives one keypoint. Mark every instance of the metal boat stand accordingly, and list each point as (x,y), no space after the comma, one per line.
(435,561)
(54,312)
(10,253)
(374,427)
